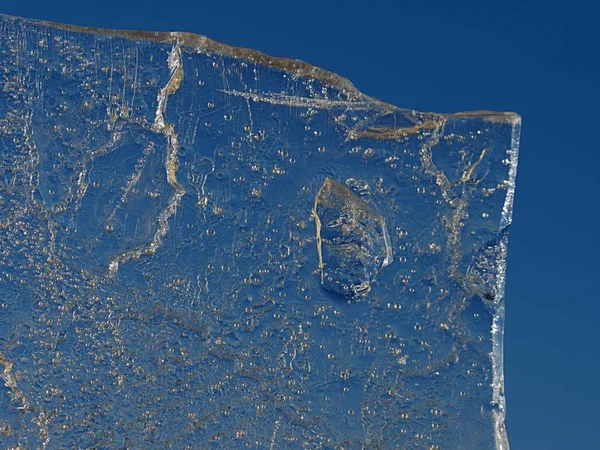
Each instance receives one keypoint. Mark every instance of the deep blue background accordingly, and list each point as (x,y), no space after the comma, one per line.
(530,57)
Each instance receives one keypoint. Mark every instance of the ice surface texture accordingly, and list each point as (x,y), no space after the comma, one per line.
(352,240)
(205,247)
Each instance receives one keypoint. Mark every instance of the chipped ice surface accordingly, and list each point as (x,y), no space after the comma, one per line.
(352,240)
(163,278)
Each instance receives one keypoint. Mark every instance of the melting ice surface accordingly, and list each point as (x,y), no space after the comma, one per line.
(352,240)
(205,247)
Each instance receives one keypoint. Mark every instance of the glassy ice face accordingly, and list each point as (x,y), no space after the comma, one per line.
(205,247)
(352,240)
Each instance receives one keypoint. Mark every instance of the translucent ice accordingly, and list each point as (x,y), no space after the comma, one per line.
(173,247)
(352,240)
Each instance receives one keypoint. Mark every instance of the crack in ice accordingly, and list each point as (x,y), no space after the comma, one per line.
(171,164)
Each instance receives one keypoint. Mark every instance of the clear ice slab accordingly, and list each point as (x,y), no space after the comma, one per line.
(202,246)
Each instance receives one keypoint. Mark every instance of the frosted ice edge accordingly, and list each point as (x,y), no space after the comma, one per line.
(299,67)
(499,398)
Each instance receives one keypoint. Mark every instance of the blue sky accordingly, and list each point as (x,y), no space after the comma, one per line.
(538,60)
